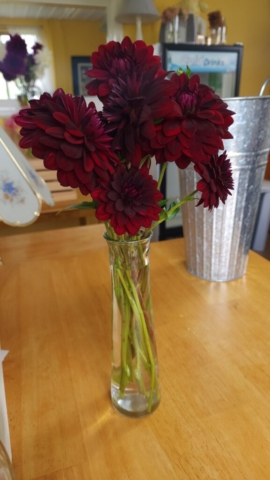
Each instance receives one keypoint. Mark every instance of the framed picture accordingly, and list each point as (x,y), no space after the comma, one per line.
(80,65)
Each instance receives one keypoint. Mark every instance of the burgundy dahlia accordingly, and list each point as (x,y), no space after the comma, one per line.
(70,138)
(129,200)
(122,59)
(216,181)
(197,132)
(132,108)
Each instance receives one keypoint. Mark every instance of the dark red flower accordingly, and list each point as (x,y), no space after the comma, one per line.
(132,108)
(216,181)
(196,134)
(129,200)
(122,59)
(70,138)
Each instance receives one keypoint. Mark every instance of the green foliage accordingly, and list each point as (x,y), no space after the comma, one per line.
(188,72)
(81,206)
(163,202)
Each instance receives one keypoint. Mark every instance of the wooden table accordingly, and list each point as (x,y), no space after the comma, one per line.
(214,355)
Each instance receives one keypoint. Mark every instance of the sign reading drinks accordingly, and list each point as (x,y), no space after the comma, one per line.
(223,62)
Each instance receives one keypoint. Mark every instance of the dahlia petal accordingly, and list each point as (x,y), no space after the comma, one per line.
(132,229)
(206,114)
(110,208)
(84,189)
(189,127)
(87,162)
(50,161)
(82,175)
(50,142)
(171,128)
(194,81)
(120,218)
(61,117)
(98,73)
(102,216)
(128,211)
(129,138)
(71,139)
(182,162)
(119,205)
(100,160)
(148,130)
(27,122)
(104,90)
(162,139)
(92,87)
(57,132)
(101,173)
(165,107)
(72,151)
(135,157)
(119,230)
(67,179)
(113,195)
(184,140)
(174,146)
(73,130)
(30,139)
(63,162)
(39,151)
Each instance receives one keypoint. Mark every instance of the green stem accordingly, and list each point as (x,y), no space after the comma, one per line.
(148,345)
(134,307)
(125,374)
(169,212)
(7,90)
(163,169)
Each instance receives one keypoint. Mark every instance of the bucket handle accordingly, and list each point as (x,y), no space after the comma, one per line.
(264,86)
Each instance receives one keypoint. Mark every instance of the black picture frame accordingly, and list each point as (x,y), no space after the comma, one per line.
(236,49)
(80,65)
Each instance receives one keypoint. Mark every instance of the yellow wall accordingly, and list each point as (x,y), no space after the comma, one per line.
(72,38)
(247,23)
(65,38)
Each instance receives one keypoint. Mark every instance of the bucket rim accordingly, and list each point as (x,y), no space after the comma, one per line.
(258,97)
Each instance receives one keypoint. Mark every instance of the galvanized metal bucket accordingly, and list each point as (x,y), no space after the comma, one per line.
(218,242)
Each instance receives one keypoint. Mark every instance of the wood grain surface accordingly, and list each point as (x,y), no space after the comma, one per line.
(214,356)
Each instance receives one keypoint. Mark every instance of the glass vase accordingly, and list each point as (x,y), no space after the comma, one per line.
(135,388)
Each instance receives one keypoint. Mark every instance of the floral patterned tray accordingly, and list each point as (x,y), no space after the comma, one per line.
(21,189)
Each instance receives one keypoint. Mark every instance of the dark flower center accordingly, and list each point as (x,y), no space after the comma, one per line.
(187,101)
(129,192)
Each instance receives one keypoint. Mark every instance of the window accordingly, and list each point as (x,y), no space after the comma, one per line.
(9,90)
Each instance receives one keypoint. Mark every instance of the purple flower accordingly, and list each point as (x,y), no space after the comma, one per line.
(12,66)
(16,45)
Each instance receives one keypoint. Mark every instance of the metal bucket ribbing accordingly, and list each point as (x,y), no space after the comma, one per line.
(218,242)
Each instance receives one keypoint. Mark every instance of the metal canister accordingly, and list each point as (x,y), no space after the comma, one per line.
(218,241)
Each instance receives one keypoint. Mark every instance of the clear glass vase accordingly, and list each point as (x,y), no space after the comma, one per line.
(135,388)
